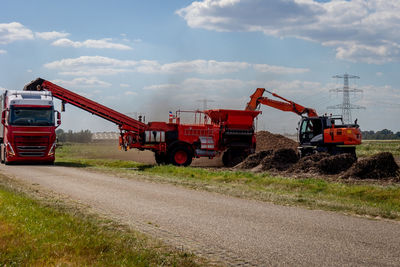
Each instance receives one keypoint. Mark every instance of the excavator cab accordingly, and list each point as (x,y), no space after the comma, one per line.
(311,131)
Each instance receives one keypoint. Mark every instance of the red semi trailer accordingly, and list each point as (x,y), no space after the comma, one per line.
(28,127)
(226,132)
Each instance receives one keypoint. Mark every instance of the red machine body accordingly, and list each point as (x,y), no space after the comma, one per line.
(220,131)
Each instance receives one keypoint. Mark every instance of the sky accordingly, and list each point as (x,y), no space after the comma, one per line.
(152,57)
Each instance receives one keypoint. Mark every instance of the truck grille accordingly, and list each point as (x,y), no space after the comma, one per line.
(31,146)
(31,151)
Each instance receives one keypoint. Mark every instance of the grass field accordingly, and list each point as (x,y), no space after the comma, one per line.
(370,147)
(365,198)
(34,234)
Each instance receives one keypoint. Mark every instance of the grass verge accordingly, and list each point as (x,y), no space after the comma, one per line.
(35,234)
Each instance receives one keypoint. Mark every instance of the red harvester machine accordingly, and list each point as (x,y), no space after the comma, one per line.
(227,132)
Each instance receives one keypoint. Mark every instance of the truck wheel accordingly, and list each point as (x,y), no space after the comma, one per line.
(181,156)
(161,159)
(2,155)
(233,157)
(5,161)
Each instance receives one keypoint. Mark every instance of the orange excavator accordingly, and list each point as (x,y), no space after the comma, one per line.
(315,133)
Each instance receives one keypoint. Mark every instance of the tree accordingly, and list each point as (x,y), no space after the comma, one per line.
(83,136)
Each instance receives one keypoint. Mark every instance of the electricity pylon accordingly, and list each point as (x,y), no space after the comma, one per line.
(346,107)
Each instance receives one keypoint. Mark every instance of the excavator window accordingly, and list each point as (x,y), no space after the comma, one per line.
(310,129)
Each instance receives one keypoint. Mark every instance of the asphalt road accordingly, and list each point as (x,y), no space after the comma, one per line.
(235,231)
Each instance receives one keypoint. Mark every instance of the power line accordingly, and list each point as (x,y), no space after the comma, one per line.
(205,101)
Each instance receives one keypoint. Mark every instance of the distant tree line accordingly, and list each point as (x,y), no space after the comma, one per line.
(84,136)
(384,134)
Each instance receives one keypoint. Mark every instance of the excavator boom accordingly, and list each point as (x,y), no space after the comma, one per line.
(286,105)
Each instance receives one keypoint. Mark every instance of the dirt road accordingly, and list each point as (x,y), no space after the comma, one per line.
(235,231)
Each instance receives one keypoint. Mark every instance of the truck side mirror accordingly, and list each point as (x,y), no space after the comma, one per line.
(3,117)
(58,118)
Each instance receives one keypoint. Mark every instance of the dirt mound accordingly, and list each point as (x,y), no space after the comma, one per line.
(336,164)
(323,163)
(281,160)
(253,160)
(270,141)
(308,163)
(381,165)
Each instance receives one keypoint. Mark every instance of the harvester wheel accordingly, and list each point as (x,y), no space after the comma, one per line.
(181,156)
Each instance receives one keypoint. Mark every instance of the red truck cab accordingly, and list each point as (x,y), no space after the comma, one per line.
(28,127)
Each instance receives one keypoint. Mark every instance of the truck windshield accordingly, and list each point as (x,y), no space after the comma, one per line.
(31,116)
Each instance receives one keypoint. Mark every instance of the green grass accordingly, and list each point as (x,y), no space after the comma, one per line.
(370,147)
(34,234)
(364,199)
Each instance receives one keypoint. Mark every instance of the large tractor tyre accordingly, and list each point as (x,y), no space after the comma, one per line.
(161,159)
(180,156)
(233,157)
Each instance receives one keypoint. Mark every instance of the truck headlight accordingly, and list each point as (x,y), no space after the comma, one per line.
(52,150)
(10,150)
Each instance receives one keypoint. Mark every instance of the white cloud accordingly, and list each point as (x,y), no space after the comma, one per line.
(130,93)
(3,51)
(51,35)
(99,44)
(124,85)
(91,66)
(198,66)
(278,69)
(232,93)
(82,83)
(98,65)
(359,30)
(14,31)
(200,85)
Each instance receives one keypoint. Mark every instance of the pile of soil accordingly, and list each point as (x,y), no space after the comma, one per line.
(269,141)
(336,164)
(280,160)
(278,153)
(324,163)
(381,165)
(253,160)
(309,164)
